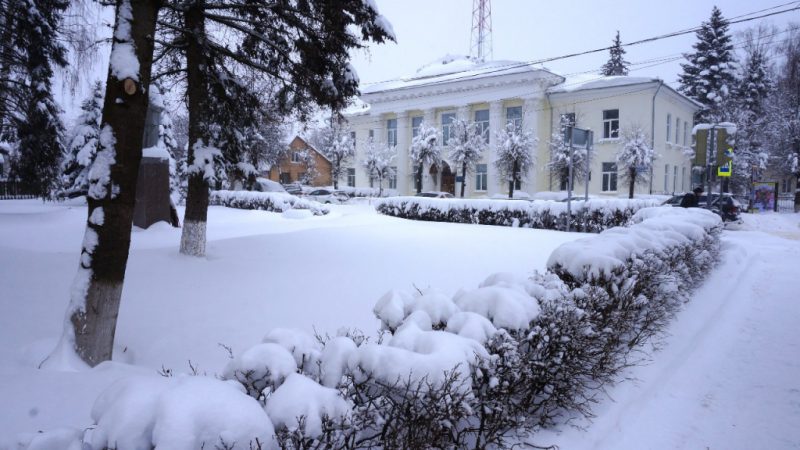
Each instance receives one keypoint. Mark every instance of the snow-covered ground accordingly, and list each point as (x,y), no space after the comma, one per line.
(728,377)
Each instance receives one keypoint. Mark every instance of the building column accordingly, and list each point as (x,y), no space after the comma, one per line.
(496,122)
(462,113)
(530,123)
(401,160)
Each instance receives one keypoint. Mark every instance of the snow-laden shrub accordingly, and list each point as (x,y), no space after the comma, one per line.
(184,413)
(591,216)
(265,201)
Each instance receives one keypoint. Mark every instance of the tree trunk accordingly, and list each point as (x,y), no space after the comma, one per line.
(337,171)
(797,194)
(419,178)
(514,171)
(97,288)
(193,236)
(631,181)
(463,178)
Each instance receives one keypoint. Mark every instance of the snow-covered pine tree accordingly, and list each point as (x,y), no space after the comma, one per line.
(709,76)
(83,142)
(616,64)
(340,150)
(378,160)
(514,155)
(298,53)
(635,157)
(466,146)
(750,117)
(37,163)
(424,151)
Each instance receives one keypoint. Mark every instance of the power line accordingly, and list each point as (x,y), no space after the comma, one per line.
(738,19)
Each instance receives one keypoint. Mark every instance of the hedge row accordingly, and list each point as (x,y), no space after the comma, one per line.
(480,369)
(265,201)
(590,216)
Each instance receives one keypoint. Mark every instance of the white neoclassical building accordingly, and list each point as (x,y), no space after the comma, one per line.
(496,92)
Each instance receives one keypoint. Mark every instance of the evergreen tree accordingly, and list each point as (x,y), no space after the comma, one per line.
(635,158)
(298,52)
(466,147)
(616,64)
(709,76)
(750,117)
(514,155)
(26,99)
(424,151)
(82,144)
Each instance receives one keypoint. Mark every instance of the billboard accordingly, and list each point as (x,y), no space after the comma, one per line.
(764,196)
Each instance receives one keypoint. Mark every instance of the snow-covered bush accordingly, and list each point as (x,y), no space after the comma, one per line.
(593,216)
(265,201)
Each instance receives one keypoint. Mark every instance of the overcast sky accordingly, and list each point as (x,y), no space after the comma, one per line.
(529,30)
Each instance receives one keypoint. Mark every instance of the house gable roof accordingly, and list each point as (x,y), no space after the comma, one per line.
(308,145)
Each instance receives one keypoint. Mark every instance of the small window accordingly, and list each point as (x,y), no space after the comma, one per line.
(391,132)
(685,132)
(372,134)
(611,125)
(447,125)
(351,177)
(677,129)
(481,177)
(683,177)
(353,138)
(674,178)
(669,126)
(393,177)
(514,116)
(482,123)
(609,177)
(415,123)
(297,157)
(666,177)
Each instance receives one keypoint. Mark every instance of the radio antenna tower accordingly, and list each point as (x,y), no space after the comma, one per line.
(481,39)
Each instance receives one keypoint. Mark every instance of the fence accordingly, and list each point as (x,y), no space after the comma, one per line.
(786,203)
(11,190)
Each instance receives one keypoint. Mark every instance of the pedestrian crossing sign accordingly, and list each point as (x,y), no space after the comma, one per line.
(725,169)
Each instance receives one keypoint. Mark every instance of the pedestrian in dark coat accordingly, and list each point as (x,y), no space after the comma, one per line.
(692,199)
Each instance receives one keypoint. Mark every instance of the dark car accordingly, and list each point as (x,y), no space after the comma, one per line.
(435,195)
(729,208)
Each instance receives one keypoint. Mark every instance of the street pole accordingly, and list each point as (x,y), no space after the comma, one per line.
(569,180)
(589,147)
(711,146)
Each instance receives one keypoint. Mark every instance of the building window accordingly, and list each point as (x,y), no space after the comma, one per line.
(609,177)
(482,123)
(391,132)
(611,125)
(568,120)
(371,134)
(514,116)
(685,132)
(674,178)
(481,177)
(393,177)
(297,157)
(353,139)
(447,125)
(683,177)
(285,178)
(351,177)
(666,177)
(677,129)
(415,123)
(669,126)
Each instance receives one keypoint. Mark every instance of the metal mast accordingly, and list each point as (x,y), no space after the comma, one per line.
(481,39)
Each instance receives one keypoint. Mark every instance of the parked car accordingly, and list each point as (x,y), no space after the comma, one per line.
(729,208)
(328,196)
(294,188)
(435,194)
(265,185)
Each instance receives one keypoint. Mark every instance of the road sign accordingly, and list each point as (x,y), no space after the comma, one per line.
(725,169)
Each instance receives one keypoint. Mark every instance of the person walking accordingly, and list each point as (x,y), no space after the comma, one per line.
(692,199)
